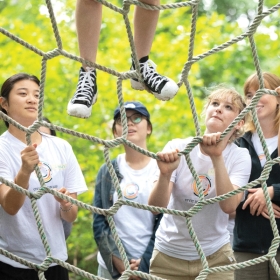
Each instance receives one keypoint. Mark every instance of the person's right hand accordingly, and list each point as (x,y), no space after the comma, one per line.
(168,162)
(29,159)
(276,210)
(134,265)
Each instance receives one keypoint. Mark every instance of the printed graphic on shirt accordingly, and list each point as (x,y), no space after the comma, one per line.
(130,191)
(205,183)
(261,157)
(46,171)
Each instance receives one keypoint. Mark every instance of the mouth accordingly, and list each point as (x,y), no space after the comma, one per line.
(131,131)
(258,107)
(31,109)
(216,117)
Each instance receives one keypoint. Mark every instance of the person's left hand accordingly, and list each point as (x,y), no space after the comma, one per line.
(64,203)
(211,145)
(256,200)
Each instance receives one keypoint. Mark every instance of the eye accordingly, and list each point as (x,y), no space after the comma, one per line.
(229,107)
(136,118)
(37,95)
(249,96)
(214,103)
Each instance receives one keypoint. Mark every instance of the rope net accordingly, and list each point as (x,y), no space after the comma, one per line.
(109,144)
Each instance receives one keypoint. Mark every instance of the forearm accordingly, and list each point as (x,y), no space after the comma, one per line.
(274,192)
(224,185)
(161,191)
(232,215)
(12,200)
(69,214)
(68,211)
(118,264)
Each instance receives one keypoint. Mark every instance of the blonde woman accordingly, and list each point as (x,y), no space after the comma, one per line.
(253,233)
(222,167)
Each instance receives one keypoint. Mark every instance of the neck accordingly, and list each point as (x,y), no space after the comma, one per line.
(21,135)
(268,130)
(136,160)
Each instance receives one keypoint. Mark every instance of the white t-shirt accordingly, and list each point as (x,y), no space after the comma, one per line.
(271,144)
(59,167)
(231,223)
(210,223)
(134,226)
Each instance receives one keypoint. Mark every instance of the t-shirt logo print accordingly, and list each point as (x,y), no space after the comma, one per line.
(130,191)
(206,185)
(46,171)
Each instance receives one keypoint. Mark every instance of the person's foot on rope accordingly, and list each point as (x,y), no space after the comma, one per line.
(85,96)
(163,88)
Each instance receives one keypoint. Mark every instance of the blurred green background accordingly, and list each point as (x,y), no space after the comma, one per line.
(218,22)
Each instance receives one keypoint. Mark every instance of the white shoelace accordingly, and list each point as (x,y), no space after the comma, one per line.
(84,89)
(150,75)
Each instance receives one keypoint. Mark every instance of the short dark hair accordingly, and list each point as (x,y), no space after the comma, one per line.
(53,133)
(9,84)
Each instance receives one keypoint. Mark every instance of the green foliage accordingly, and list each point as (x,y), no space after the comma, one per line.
(29,20)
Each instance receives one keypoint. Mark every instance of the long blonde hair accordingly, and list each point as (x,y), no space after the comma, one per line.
(223,93)
(271,81)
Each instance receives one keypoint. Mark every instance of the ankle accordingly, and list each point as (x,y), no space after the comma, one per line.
(141,60)
(88,68)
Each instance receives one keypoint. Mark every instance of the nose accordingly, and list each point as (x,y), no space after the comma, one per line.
(31,99)
(219,109)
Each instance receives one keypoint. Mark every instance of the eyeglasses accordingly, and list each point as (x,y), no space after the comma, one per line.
(134,118)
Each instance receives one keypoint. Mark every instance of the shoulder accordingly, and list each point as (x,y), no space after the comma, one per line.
(3,137)
(178,143)
(5,141)
(238,151)
(244,140)
(54,140)
(104,167)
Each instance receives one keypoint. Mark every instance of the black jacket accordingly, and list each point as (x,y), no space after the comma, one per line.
(254,233)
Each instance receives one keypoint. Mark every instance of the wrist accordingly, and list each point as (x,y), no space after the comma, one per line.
(67,209)
(271,192)
(216,160)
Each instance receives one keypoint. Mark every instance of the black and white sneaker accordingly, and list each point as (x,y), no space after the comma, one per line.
(85,96)
(163,88)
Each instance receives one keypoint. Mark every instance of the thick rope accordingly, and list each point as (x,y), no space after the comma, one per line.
(109,144)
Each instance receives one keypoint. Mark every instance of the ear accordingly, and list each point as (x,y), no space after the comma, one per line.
(149,130)
(115,133)
(240,124)
(4,103)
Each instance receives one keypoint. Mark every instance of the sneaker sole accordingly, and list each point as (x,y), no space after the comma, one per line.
(136,85)
(160,96)
(77,115)
(79,110)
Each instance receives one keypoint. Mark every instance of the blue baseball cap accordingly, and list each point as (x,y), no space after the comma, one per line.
(133,105)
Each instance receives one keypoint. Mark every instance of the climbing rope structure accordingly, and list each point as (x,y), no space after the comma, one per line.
(109,144)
